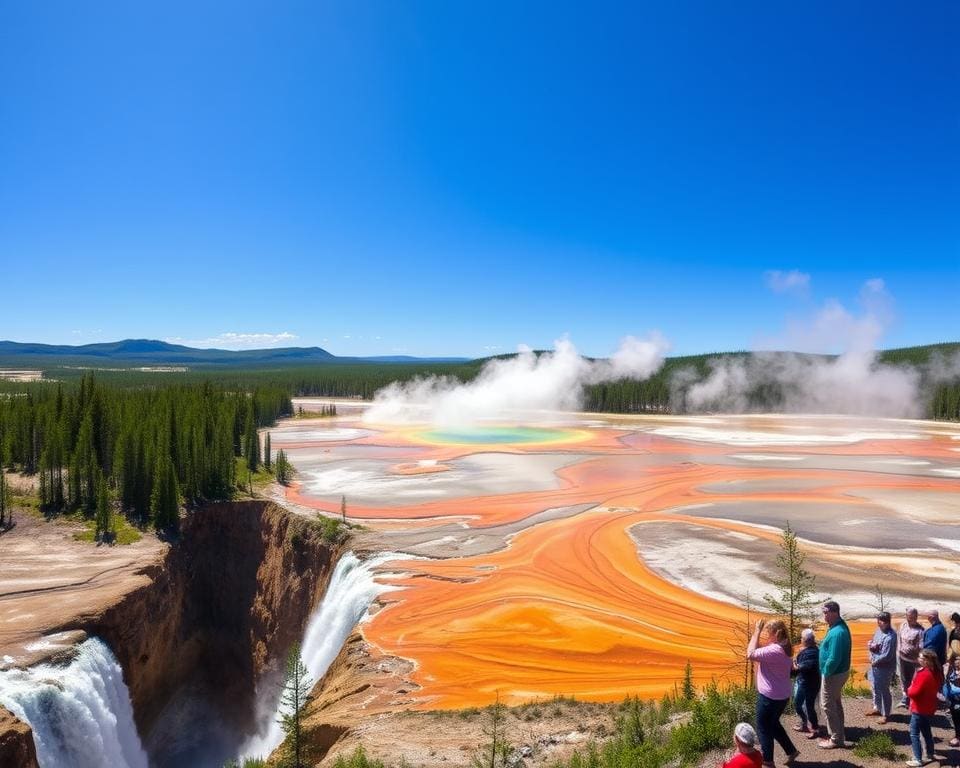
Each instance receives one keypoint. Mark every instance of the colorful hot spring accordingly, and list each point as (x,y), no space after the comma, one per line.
(498,435)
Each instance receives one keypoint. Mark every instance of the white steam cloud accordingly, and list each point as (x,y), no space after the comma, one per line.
(855,382)
(515,387)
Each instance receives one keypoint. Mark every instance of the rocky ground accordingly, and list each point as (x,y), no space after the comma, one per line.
(544,732)
(859,726)
(48,579)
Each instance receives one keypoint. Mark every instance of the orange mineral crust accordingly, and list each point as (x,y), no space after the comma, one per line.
(566,603)
(567,609)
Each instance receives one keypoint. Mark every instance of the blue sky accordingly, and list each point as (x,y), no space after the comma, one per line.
(457,178)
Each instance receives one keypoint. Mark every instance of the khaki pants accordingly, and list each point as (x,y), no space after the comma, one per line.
(831,700)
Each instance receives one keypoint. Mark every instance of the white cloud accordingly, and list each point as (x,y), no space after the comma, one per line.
(232,340)
(794,281)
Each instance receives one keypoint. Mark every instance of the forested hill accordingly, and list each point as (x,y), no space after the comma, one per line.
(938,366)
(149,352)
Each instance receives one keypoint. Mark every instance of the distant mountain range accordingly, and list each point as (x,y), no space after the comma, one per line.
(150,352)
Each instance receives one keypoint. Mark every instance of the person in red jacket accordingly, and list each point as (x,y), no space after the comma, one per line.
(923,705)
(747,754)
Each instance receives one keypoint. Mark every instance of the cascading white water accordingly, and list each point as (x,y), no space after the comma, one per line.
(80,713)
(351,590)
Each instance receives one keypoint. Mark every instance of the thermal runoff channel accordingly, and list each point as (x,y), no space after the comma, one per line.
(594,556)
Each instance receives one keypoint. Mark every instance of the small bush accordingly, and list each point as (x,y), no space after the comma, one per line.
(331,529)
(876,744)
(854,689)
(358,759)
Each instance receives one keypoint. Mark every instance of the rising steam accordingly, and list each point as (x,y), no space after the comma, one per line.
(515,387)
(854,382)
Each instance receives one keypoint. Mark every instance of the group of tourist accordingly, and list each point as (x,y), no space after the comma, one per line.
(920,655)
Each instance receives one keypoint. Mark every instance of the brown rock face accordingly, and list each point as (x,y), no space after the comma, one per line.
(213,625)
(16,743)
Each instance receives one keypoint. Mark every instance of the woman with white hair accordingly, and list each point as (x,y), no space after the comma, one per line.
(747,755)
(807,669)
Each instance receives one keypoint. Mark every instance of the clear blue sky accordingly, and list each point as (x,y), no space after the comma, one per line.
(456,178)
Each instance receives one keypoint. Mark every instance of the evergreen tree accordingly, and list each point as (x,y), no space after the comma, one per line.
(795,585)
(495,752)
(104,516)
(687,690)
(266,451)
(282,468)
(165,499)
(343,508)
(293,703)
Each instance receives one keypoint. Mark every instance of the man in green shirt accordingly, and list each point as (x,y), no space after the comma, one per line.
(834,671)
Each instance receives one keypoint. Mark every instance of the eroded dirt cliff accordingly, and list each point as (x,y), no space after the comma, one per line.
(16,742)
(213,623)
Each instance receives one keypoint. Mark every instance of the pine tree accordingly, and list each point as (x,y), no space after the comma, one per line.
(282,468)
(165,499)
(688,691)
(293,703)
(266,451)
(796,586)
(495,752)
(104,515)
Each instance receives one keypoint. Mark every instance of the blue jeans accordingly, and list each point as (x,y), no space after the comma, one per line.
(921,724)
(805,701)
(769,727)
(880,680)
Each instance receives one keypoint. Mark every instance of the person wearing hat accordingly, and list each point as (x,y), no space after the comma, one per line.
(883,661)
(747,754)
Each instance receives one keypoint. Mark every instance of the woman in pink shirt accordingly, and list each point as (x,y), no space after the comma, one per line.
(772,651)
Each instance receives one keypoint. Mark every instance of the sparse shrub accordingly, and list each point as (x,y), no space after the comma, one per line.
(332,530)
(495,753)
(358,759)
(712,719)
(854,688)
(876,744)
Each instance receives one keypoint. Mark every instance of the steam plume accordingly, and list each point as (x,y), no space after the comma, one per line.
(855,382)
(517,386)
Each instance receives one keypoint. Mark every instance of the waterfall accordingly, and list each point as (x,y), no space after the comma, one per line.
(80,713)
(351,590)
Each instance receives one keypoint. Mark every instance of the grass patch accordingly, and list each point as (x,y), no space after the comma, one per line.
(29,503)
(856,688)
(358,759)
(260,479)
(876,744)
(126,532)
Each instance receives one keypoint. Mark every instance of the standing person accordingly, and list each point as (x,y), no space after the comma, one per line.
(771,649)
(953,639)
(909,643)
(883,661)
(951,691)
(935,637)
(745,741)
(923,706)
(807,667)
(834,671)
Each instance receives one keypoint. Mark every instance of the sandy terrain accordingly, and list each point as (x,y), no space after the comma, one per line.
(48,580)
(13,375)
